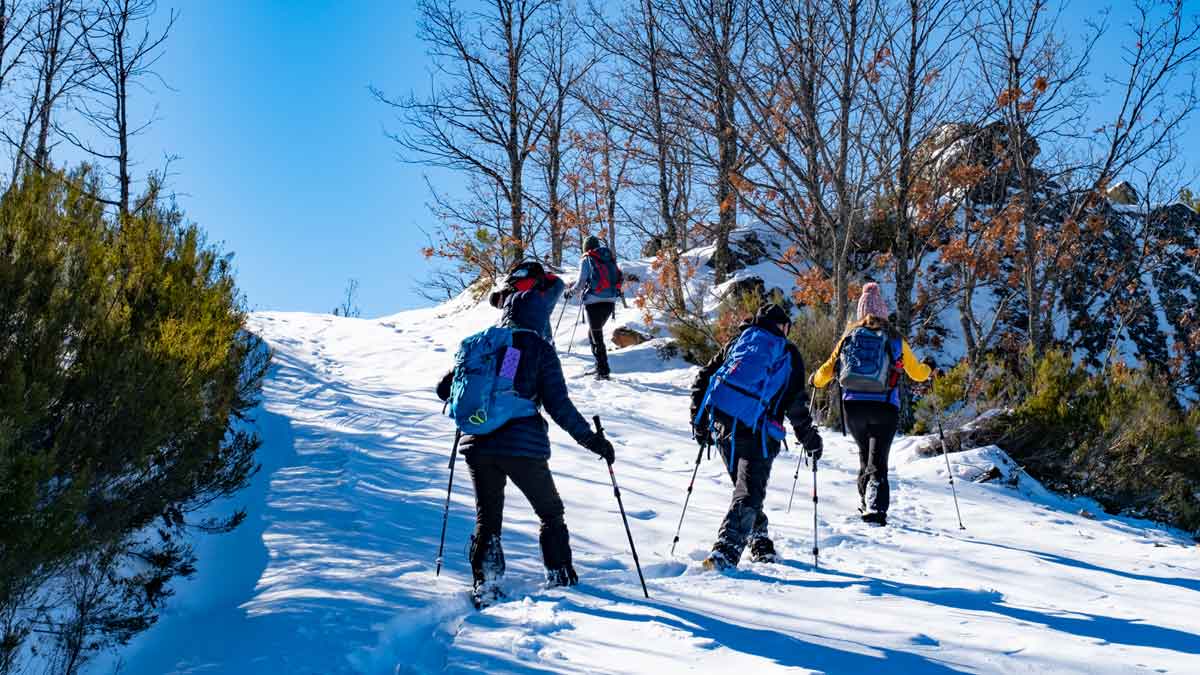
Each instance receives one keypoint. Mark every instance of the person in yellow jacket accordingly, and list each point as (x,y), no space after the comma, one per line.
(872,410)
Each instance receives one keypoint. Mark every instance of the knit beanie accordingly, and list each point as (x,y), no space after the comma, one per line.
(772,314)
(871,303)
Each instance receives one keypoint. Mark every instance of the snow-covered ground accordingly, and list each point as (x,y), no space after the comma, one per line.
(334,570)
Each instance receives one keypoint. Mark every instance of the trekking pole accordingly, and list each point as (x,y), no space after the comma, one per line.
(949,472)
(560,315)
(571,345)
(816,544)
(621,505)
(800,460)
(795,481)
(688,498)
(446,513)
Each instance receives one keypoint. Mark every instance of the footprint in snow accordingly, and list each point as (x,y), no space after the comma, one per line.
(647,514)
(662,570)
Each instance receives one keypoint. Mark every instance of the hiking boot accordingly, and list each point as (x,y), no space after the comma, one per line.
(875,518)
(762,550)
(563,576)
(486,593)
(602,377)
(716,562)
(722,557)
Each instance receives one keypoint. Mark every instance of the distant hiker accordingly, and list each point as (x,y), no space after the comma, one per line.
(502,377)
(867,363)
(599,287)
(529,275)
(739,401)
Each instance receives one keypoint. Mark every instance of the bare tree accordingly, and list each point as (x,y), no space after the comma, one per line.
(489,106)
(713,37)
(638,99)
(349,305)
(1041,92)
(122,49)
(564,67)
(58,69)
(810,171)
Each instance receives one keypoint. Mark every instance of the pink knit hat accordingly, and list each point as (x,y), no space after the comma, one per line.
(872,303)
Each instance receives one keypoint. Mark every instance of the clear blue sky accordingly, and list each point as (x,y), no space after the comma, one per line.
(283,158)
(282,151)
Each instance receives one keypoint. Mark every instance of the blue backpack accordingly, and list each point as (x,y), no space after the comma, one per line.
(482,398)
(866,362)
(755,371)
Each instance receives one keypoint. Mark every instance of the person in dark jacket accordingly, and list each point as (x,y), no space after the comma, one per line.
(599,299)
(547,290)
(746,523)
(520,451)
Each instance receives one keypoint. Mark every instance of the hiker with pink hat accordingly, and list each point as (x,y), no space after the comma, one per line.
(868,362)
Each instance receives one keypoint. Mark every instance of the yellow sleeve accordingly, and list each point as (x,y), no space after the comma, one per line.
(919,372)
(824,374)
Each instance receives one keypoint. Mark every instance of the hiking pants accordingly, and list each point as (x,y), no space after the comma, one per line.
(489,474)
(598,314)
(866,420)
(745,519)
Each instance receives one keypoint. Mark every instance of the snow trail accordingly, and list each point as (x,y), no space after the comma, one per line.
(333,572)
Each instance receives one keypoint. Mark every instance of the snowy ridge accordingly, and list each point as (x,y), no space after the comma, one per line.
(333,572)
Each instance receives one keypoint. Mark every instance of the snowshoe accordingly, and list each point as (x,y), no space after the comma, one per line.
(486,594)
(762,550)
(563,576)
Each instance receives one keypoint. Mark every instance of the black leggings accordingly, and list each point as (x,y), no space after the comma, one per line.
(866,420)
(598,314)
(490,473)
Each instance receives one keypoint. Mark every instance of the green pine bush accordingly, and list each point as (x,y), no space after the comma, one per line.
(126,378)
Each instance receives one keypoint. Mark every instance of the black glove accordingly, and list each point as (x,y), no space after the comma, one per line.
(702,433)
(601,446)
(813,445)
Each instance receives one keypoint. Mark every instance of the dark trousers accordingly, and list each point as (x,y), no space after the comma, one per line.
(866,420)
(745,519)
(598,314)
(490,474)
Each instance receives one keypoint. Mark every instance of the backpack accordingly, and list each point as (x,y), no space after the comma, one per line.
(866,362)
(606,280)
(482,398)
(755,371)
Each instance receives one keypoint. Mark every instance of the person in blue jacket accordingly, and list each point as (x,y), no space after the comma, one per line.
(520,451)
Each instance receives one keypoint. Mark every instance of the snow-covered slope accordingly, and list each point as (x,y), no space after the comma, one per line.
(333,572)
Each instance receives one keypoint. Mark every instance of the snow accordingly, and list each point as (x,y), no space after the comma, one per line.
(333,570)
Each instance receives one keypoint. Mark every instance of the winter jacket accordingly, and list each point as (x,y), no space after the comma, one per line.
(919,372)
(544,296)
(539,379)
(587,277)
(791,400)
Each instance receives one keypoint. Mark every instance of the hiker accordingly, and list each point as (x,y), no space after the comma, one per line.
(528,377)
(739,401)
(868,362)
(529,275)
(599,288)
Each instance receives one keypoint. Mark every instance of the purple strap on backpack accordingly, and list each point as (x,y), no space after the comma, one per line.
(512,358)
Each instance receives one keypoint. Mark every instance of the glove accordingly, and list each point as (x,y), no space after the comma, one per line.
(703,434)
(813,445)
(601,446)
(570,293)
